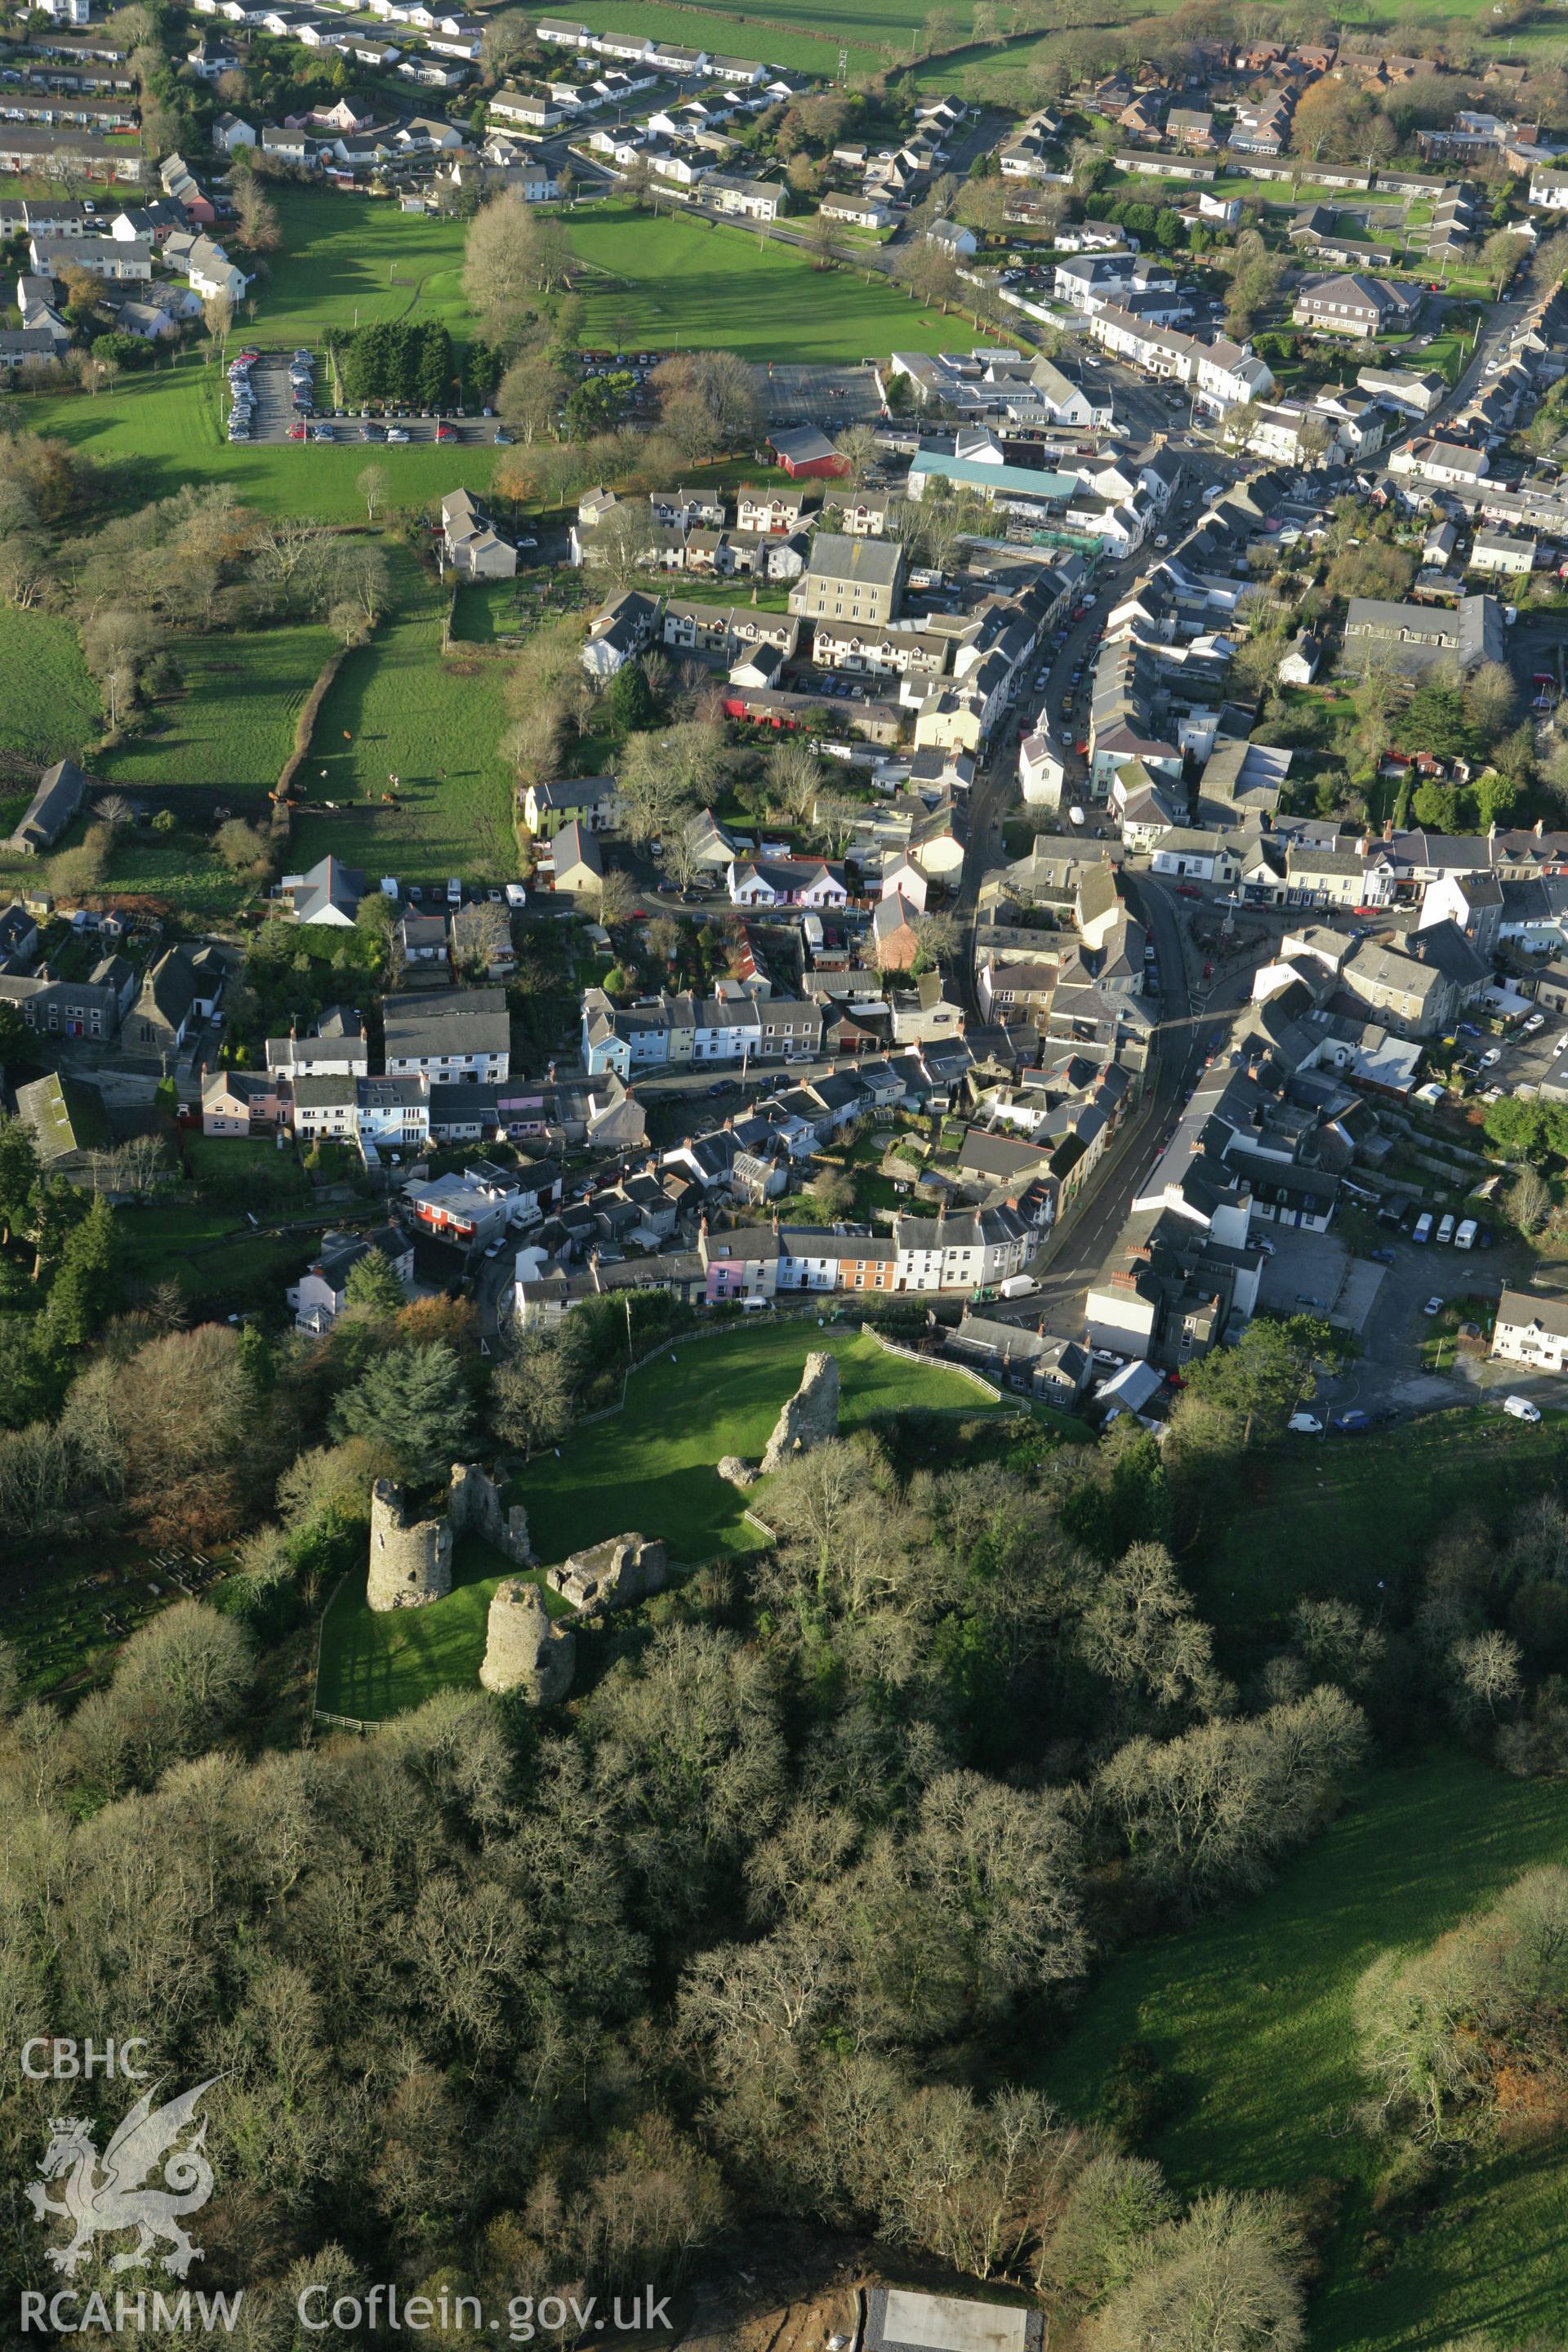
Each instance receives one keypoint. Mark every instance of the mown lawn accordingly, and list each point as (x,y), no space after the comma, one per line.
(397,707)
(376,1666)
(812,48)
(164,428)
(683,280)
(1357,1515)
(348,257)
(649,1467)
(1251,2018)
(48,705)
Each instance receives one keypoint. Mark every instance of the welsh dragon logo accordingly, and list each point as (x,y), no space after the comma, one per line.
(101,2198)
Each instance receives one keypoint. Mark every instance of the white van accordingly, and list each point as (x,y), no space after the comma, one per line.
(1466,1236)
(1445,1231)
(1522,1409)
(1423,1231)
(756,1306)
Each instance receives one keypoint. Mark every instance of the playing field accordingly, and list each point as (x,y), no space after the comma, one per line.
(1249,2018)
(662,280)
(649,1467)
(347,259)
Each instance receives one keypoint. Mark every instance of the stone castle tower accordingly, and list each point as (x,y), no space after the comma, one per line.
(411,1560)
(523,1650)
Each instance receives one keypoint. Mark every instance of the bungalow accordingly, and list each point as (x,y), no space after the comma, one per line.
(952,238)
(785,882)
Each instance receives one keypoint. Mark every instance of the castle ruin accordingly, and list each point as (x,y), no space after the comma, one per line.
(523,1650)
(411,1560)
(609,1575)
(810,1416)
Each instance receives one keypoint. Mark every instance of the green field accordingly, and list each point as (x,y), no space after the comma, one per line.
(811,47)
(1249,2016)
(648,1468)
(397,707)
(679,280)
(231,726)
(165,427)
(1356,1516)
(347,259)
(49,707)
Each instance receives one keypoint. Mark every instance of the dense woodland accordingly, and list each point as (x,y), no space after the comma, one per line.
(778,1916)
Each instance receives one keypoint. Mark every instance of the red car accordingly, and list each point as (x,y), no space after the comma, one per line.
(1188,890)
(296,433)
(445,433)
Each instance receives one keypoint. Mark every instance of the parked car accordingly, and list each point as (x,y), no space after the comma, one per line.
(1433,1307)
(1445,1231)
(1305,1298)
(1521,1407)
(1306,1425)
(1188,890)
(1352,1424)
(1423,1228)
(1492,1057)
(1383,1257)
